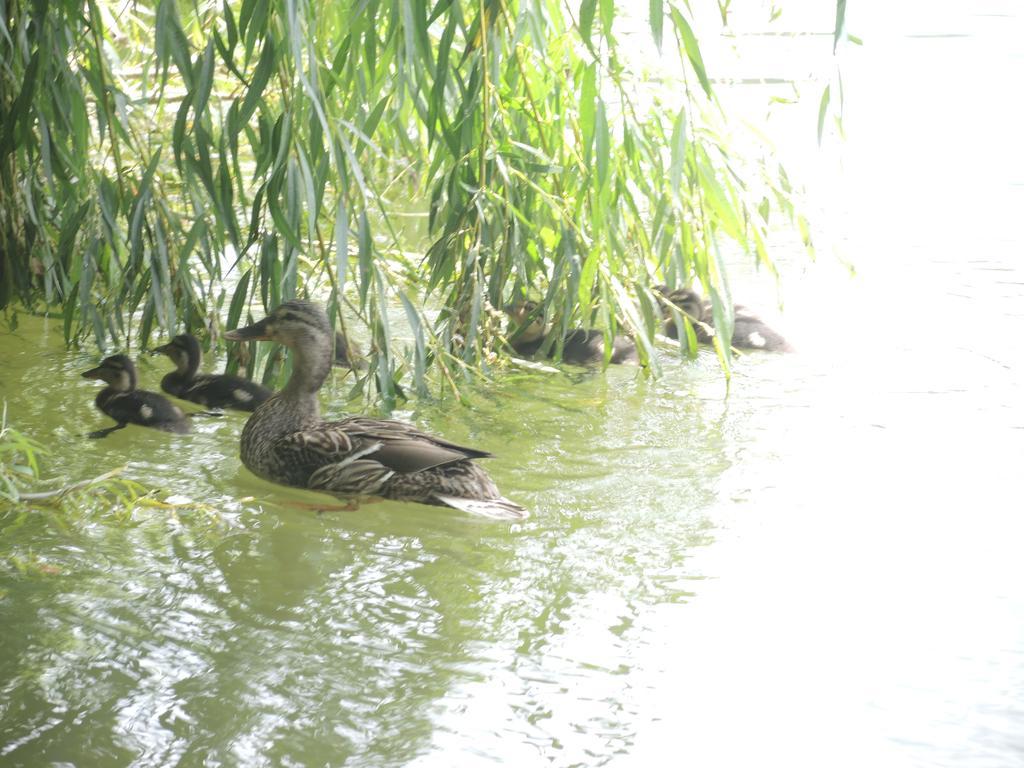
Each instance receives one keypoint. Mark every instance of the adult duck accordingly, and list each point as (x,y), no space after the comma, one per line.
(122,401)
(748,331)
(579,346)
(208,389)
(285,440)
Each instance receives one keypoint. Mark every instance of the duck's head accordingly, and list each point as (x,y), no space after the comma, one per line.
(527,321)
(183,350)
(295,324)
(117,370)
(685,300)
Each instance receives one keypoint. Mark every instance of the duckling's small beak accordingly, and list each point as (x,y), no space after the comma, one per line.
(254,332)
(163,350)
(93,373)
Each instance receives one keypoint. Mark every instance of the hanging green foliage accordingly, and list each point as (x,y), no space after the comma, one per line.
(167,165)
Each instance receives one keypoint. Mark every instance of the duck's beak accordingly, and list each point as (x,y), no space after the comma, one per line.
(93,373)
(164,350)
(254,332)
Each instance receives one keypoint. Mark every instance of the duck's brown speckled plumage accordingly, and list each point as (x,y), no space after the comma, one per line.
(285,440)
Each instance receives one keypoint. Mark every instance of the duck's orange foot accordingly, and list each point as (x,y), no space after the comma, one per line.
(353,504)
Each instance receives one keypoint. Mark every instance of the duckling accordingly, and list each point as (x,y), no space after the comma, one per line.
(579,347)
(285,441)
(125,404)
(211,390)
(347,353)
(748,332)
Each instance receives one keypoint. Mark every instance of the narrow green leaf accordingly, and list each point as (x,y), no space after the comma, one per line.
(256,218)
(70,310)
(587,11)
(254,25)
(588,109)
(678,153)
(160,265)
(269,289)
(232,29)
(718,199)
(607,17)
(437,94)
(822,111)
(657,18)
(239,300)
(419,349)
(365,257)
(264,69)
(178,140)
(341,244)
(840,24)
(382,336)
(69,231)
(245,14)
(371,122)
(602,144)
(205,83)
(440,8)
(177,42)
(692,49)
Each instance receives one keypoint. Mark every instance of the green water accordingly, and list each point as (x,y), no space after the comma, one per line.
(822,567)
(249,631)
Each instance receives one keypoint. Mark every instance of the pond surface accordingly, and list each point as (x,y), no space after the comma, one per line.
(820,567)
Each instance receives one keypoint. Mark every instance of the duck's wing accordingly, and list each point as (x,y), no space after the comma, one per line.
(143,407)
(396,446)
(146,408)
(224,391)
(404,448)
(361,457)
(368,457)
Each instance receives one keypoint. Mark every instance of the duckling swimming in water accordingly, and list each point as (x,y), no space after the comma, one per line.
(579,347)
(209,389)
(125,404)
(347,353)
(748,332)
(285,440)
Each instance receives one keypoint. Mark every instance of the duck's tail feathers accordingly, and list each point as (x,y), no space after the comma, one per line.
(497,509)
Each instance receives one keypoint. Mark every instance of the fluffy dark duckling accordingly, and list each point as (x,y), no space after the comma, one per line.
(347,353)
(125,404)
(579,347)
(211,390)
(285,441)
(748,332)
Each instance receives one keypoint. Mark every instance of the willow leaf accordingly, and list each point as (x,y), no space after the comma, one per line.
(587,10)
(692,48)
(264,69)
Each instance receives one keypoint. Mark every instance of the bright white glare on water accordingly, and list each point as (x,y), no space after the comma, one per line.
(872,611)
